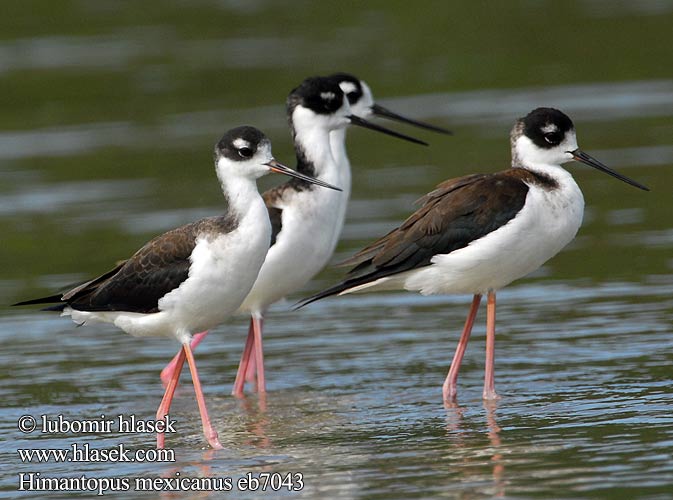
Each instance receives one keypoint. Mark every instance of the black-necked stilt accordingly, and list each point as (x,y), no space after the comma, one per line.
(478,233)
(306,227)
(193,277)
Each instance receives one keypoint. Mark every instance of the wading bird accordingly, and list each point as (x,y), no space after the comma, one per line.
(193,277)
(478,233)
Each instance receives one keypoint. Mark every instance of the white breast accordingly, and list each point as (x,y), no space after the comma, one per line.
(222,273)
(311,225)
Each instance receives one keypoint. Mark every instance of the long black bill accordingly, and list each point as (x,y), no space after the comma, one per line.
(360,122)
(583,157)
(279,168)
(391,115)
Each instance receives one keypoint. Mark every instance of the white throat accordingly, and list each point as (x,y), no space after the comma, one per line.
(312,136)
(239,190)
(526,154)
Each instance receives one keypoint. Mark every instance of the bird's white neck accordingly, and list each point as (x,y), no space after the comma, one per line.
(554,172)
(315,158)
(337,140)
(313,147)
(241,194)
(546,162)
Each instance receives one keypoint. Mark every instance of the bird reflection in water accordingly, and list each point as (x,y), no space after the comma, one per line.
(460,435)
(257,421)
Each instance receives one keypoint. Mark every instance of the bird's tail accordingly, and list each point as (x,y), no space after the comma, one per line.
(333,290)
(52,299)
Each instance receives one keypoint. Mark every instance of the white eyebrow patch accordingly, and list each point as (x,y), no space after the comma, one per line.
(348,87)
(550,127)
(328,96)
(241,143)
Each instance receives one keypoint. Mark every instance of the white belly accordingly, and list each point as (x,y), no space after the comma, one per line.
(312,223)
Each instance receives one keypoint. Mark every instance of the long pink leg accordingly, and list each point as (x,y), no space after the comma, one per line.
(166,401)
(208,430)
(258,325)
(251,372)
(449,389)
(239,383)
(489,375)
(167,372)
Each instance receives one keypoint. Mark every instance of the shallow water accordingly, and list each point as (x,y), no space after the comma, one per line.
(105,141)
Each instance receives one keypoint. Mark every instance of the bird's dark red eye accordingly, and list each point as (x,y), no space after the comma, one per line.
(553,137)
(245,152)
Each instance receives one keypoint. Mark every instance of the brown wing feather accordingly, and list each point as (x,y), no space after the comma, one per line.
(432,225)
(158,267)
(137,284)
(453,215)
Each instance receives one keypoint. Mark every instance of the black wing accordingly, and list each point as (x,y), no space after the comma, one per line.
(62,297)
(157,268)
(137,284)
(276,218)
(271,198)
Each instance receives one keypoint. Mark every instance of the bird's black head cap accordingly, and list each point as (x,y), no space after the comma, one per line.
(354,94)
(546,127)
(240,143)
(322,95)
